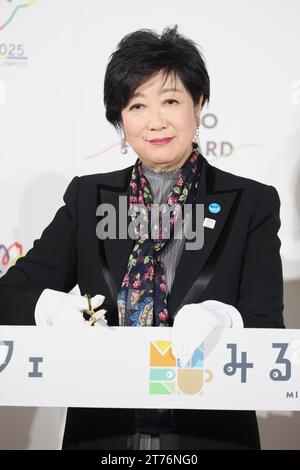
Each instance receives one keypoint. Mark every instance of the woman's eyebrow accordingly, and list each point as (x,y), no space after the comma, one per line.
(164,90)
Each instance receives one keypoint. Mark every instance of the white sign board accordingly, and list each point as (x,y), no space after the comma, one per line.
(126,367)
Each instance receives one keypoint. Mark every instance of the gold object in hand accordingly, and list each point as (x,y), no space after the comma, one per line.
(94,316)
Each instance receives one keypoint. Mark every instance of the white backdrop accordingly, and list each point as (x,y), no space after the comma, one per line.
(53,56)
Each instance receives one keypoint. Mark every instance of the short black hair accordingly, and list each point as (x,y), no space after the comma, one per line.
(144,53)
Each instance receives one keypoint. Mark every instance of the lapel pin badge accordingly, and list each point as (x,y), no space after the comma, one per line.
(214,208)
(209,223)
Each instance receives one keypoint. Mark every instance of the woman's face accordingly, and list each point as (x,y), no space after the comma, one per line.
(158,111)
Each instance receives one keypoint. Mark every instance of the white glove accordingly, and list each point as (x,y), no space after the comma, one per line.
(195,322)
(55,308)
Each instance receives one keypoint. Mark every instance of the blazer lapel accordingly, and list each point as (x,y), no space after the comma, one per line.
(114,253)
(196,267)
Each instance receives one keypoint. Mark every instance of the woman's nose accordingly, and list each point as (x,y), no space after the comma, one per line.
(156,121)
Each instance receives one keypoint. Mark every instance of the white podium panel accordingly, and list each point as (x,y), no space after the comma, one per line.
(127,367)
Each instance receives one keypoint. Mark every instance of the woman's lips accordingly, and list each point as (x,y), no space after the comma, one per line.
(161,141)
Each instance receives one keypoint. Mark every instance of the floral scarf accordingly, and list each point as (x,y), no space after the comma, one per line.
(142,299)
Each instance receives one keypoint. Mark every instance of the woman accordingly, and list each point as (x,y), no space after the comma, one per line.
(155,87)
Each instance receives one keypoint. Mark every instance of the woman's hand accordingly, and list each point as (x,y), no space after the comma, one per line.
(195,322)
(55,308)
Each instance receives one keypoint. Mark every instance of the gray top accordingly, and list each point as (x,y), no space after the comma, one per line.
(161,185)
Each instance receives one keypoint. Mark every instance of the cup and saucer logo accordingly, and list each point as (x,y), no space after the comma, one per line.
(168,378)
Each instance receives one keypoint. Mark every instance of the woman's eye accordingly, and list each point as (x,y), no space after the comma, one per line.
(134,106)
(175,101)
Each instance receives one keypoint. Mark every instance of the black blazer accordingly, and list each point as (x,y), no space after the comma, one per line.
(239,264)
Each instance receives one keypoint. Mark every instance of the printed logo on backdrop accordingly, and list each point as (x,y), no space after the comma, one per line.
(211,149)
(12,54)
(9,256)
(224,148)
(168,378)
